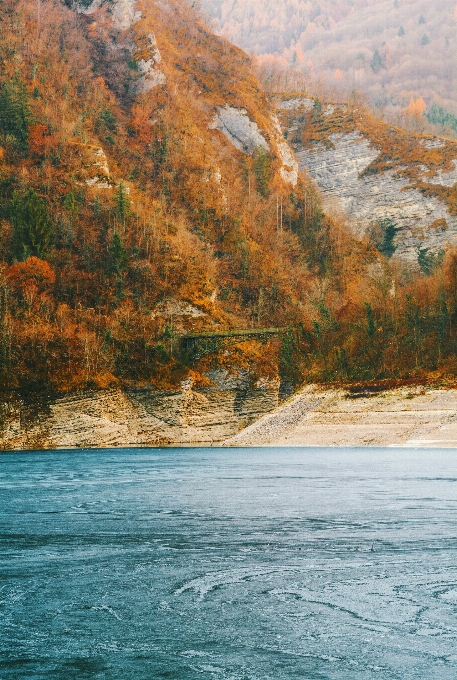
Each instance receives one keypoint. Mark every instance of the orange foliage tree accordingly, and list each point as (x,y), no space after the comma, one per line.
(415,108)
(32,272)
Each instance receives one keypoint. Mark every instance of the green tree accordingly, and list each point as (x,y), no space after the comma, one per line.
(290,358)
(439,116)
(5,334)
(442,322)
(71,205)
(382,235)
(32,227)
(371,323)
(376,63)
(262,170)
(428,261)
(317,108)
(425,40)
(414,326)
(121,204)
(117,256)
(107,121)
(15,114)
(401,32)
(78,4)
(160,151)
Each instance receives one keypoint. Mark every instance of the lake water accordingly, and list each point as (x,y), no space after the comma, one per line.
(237,564)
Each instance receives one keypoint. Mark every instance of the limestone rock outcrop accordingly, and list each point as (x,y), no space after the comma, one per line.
(137,416)
(126,15)
(242,132)
(344,166)
(89,165)
(246,136)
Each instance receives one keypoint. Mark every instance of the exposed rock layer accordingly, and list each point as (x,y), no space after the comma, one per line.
(137,417)
(408,416)
(339,165)
(246,136)
(125,15)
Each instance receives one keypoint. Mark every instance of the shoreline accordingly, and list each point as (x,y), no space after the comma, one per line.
(403,416)
(418,416)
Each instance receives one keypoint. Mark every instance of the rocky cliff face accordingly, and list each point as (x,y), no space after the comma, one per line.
(246,136)
(142,46)
(373,172)
(138,417)
(235,123)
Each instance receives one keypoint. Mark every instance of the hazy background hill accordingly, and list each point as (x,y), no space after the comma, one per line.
(390,50)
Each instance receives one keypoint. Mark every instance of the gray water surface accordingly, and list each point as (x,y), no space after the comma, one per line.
(237,564)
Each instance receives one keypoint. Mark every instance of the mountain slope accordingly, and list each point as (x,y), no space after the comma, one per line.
(378,175)
(157,166)
(151,208)
(389,50)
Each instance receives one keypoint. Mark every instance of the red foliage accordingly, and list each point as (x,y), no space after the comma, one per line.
(32,272)
(40,140)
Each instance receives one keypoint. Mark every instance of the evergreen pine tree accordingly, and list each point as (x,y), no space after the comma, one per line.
(317,108)
(371,323)
(376,62)
(15,114)
(117,256)
(32,226)
(5,334)
(121,204)
(262,170)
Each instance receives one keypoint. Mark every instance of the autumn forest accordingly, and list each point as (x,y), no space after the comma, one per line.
(127,221)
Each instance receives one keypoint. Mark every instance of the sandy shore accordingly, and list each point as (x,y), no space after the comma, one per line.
(406,416)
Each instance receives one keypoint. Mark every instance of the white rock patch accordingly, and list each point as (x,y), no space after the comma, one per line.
(125,15)
(173,307)
(151,74)
(245,135)
(101,180)
(445,179)
(90,166)
(367,198)
(289,170)
(296,103)
(434,143)
(242,132)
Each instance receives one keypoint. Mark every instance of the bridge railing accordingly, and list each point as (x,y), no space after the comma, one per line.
(207,342)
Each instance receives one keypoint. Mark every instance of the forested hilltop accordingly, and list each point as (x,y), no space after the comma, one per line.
(391,50)
(147,192)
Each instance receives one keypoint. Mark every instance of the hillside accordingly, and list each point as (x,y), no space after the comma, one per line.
(390,50)
(141,169)
(381,177)
(152,213)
